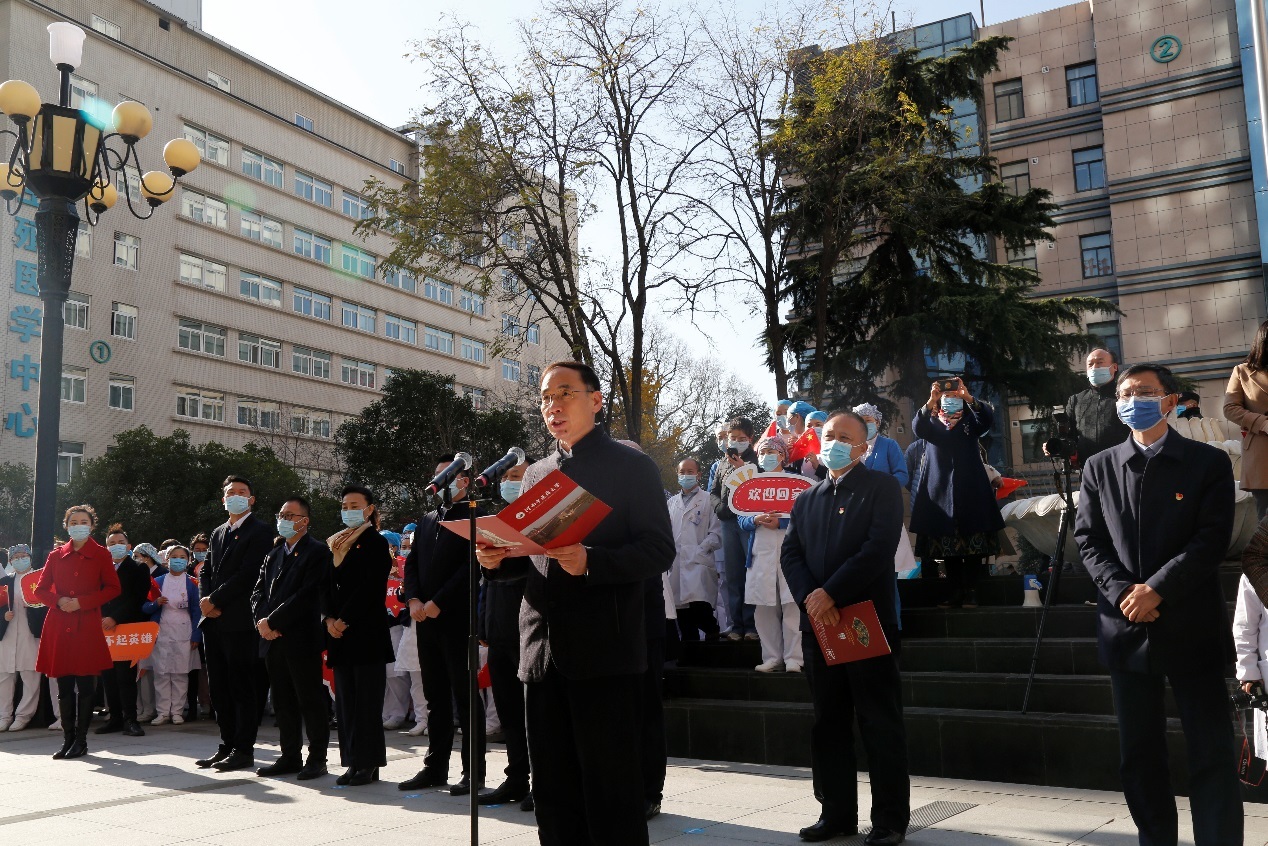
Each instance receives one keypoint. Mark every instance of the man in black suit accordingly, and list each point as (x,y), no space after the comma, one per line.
(583,642)
(1154,521)
(435,583)
(119,682)
(233,564)
(286,607)
(839,551)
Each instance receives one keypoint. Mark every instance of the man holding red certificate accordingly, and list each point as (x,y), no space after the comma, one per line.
(839,552)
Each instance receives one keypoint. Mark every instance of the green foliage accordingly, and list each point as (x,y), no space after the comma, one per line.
(394,445)
(165,486)
(17,486)
(757,412)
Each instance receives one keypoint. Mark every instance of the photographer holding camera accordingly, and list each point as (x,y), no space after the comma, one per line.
(1091,414)
(1250,630)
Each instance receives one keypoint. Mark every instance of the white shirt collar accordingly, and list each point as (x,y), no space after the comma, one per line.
(234,525)
(836,480)
(290,544)
(1154,448)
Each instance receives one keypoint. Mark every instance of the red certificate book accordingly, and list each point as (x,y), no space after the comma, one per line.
(4,596)
(554,512)
(857,635)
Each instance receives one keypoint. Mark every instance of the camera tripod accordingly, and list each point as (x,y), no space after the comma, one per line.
(1061,478)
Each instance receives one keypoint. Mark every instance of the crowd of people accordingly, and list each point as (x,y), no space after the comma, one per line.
(367,630)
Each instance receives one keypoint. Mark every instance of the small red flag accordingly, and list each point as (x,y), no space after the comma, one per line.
(807,444)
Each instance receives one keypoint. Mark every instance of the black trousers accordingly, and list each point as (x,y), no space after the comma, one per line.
(695,619)
(654,751)
(587,769)
(359,692)
(1214,793)
(442,658)
(119,687)
(231,677)
(508,698)
(871,690)
(299,700)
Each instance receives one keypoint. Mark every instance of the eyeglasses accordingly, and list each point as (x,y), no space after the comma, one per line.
(1143,393)
(560,396)
(290,515)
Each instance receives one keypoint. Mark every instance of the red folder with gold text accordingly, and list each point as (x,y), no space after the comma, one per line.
(857,635)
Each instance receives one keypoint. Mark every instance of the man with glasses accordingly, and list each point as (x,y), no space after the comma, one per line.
(583,643)
(286,606)
(1154,522)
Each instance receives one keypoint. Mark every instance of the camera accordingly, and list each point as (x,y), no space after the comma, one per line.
(948,385)
(1243,701)
(1063,439)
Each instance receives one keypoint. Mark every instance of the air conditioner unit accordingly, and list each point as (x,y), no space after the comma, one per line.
(1043,69)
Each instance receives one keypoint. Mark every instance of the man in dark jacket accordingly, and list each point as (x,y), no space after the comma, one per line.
(225,583)
(839,551)
(286,607)
(734,541)
(1154,522)
(583,643)
(119,683)
(434,587)
(1092,409)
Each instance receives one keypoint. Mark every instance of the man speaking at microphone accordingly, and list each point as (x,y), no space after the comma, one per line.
(583,647)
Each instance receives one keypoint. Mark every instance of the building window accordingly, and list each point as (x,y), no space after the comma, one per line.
(1110,335)
(1025,257)
(533,333)
(1089,169)
(472,302)
(201,337)
(313,189)
(401,329)
(473,350)
(212,147)
(356,207)
(263,168)
(121,392)
(221,82)
(123,321)
(1016,177)
(510,282)
(261,288)
(396,166)
(1034,433)
(510,325)
(359,373)
(358,317)
(204,209)
(83,93)
(401,279)
(534,375)
(438,340)
(105,27)
(127,251)
(312,246)
(314,423)
(310,362)
(83,241)
(75,311)
(510,239)
(358,261)
(70,458)
(441,292)
(200,271)
(1098,256)
(256,350)
(74,384)
(1080,84)
(311,304)
(1008,100)
(257,227)
(259,415)
(510,370)
(476,395)
(303,122)
(200,405)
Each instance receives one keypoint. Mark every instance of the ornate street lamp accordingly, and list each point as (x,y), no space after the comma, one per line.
(62,156)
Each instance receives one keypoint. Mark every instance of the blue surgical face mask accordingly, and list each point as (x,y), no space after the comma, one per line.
(836,454)
(769,461)
(79,533)
(782,421)
(454,490)
(352,517)
(1140,413)
(688,482)
(200,557)
(510,490)
(286,528)
(741,446)
(871,431)
(1099,376)
(237,504)
(952,405)
(118,551)
(20,565)
(177,565)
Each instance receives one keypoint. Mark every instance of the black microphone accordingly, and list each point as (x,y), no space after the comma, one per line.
(514,456)
(461,461)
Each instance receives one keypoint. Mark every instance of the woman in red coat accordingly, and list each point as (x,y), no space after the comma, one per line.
(77,579)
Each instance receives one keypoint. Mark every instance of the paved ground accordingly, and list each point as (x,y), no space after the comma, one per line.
(146,792)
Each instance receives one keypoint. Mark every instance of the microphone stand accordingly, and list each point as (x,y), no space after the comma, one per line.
(1057,564)
(471,738)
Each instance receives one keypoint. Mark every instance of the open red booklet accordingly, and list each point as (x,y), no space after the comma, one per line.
(857,635)
(554,512)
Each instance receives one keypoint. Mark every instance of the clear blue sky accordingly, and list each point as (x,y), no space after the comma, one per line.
(356,53)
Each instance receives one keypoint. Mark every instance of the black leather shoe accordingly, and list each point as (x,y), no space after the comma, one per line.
(424,779)
(528,804)
(462,788)
(236,761)
(653,809)
(78,750)
(366,776)
(826,830)
(133,729)
(221,753)
(109,728)
(57,756)
(505,794)
(346,777)
(879,836)
(281,767)
(311,770)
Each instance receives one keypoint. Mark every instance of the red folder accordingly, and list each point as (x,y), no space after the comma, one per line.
(857,635)
(4,596)
(554,512)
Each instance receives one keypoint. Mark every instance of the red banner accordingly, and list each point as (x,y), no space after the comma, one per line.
(769,493)
(394,604)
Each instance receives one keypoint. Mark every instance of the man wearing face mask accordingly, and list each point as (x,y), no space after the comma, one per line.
(20,628)
(119,683)
(227,579)
(1092,409)
(838,551)
(1154,522)
(435,589)
(734,541)
(697,535)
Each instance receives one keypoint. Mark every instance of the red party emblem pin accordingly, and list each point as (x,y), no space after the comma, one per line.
(1179,497)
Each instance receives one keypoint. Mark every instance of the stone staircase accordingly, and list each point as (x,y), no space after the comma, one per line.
(964,679)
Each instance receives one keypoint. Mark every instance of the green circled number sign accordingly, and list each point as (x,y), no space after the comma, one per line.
(1165,49)
(100,351)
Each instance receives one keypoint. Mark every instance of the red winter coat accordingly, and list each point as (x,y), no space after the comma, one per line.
(73,644)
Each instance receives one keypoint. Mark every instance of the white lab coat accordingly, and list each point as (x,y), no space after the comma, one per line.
(764,583)
(697,534)
(1250,633)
